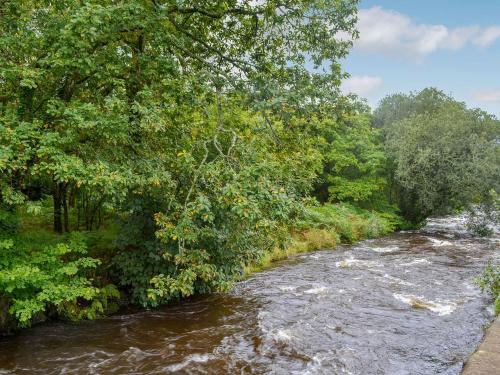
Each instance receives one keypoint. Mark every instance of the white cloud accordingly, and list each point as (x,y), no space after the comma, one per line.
(488,36)
(394,33)
(492,96)
(460,36)
(361,85)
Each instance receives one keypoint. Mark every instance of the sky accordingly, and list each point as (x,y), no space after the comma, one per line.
(407,45)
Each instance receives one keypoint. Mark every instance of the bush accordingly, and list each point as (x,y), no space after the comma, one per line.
(483,217)
(489,282)
(51,279)
(232,219)
(135,267)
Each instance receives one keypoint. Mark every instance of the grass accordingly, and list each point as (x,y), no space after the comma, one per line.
(326,226)
(301,242)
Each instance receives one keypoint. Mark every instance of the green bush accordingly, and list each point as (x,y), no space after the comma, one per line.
(489,282)
(231,219)
(49,279)
(135,267)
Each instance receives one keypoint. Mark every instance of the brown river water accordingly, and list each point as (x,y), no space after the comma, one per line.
(402,304)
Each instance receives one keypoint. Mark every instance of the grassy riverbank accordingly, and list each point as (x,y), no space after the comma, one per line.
(326,226)
(41,262)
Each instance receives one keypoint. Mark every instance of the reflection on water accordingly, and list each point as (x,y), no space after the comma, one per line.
(403,304)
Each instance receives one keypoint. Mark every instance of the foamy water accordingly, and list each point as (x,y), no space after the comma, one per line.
(420,302)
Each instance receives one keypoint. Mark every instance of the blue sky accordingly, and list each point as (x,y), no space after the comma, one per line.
(407,45)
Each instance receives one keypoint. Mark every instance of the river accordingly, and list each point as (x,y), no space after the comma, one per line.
(402,304)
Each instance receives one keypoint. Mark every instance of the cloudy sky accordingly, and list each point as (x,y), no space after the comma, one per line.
(407,45)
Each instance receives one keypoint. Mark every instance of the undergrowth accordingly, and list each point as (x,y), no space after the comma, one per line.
(326,226)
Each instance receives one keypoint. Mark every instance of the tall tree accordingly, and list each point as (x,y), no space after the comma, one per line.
(444,159)
(86,87)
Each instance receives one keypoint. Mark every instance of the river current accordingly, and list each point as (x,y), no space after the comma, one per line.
(401,304)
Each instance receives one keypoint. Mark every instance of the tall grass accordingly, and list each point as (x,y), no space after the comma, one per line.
(324,227)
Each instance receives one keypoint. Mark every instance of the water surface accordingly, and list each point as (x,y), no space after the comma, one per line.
(403,304)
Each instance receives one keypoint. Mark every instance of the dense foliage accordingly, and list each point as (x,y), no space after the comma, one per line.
(151,150)
(443,156)
(353,161)
(50,277)
(181,131)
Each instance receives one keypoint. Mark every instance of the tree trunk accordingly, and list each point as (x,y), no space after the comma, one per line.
(99,218)
(65,207)
(57,195)
(78,215)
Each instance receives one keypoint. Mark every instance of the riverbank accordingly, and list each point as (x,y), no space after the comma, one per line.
(325,227)
(322,226)
(348,310)
(486,359)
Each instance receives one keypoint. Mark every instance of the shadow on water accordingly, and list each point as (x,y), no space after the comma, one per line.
(403,304)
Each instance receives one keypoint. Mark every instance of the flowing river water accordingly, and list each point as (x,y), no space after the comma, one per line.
(402,304)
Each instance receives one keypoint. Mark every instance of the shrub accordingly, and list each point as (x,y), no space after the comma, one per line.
(489,282)
(483,217)
(53,278)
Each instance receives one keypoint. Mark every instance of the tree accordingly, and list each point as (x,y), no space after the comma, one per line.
(396,107)
(159,111)
(86,86)
(353,158)
(443,159)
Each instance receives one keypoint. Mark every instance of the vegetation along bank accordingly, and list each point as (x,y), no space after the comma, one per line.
(151,151)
